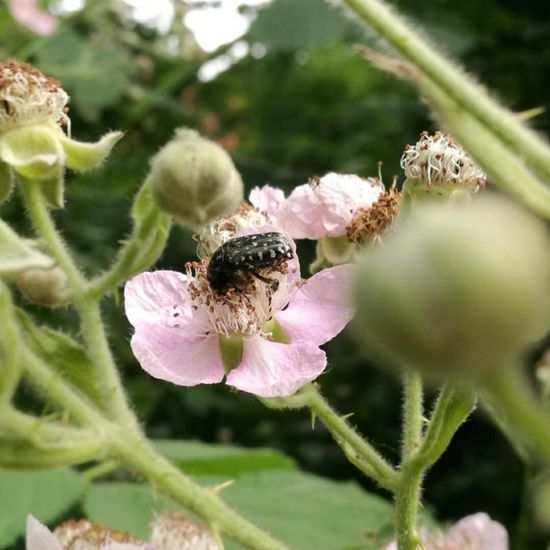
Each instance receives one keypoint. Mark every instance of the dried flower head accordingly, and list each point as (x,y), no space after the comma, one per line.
(28,96)
(438,160)
(368,224)
(85,535)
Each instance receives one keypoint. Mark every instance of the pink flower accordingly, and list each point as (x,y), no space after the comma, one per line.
(475,532)
(264,338)
(33,17)
(324,207)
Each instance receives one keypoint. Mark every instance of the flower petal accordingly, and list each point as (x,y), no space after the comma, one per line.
(39,537)
(170,354)
(477,532)
(313,211)
(270,369)
(29,14)
(156,296)
(267,199)
(320,308)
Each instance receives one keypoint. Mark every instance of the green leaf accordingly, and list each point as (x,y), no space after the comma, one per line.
(63,353)
(124,506)
(17,254)
(307,511)
(45,494)
(306,24)
(303,510)
(200,458)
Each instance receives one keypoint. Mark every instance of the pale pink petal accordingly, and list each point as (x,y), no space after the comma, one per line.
(320,308)
(39,537)
(31,16)
(270,369)
(156,297)
(325,209)
(477,532)
(175,356)
(267,199)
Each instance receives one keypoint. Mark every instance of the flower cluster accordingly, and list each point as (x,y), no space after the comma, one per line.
(263,333)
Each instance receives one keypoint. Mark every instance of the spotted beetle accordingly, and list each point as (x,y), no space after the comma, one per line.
(235,259)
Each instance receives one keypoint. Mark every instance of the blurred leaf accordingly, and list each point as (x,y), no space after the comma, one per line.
(290,25)
(45,494)
(63,353)
(302,510)
(123,506)
(94,73)
(201,458)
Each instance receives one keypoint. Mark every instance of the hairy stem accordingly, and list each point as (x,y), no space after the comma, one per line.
(359,451)
(412,413)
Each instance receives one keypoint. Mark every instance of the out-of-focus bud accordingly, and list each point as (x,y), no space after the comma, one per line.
(47,287)
(457,289)
(437,165)
(195,180)
(174,530)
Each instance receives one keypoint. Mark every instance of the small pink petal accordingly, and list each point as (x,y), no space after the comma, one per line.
(39,537)
(156,296)
(320,308)
(270,369)
(170,354)
(267,199)
(477,532)
(31,16)
(326,209)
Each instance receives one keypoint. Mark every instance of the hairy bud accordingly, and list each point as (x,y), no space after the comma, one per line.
(195,180)
(458,289)
(47,287)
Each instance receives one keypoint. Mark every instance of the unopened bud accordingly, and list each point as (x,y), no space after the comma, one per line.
(195,180)
(47,287)
(456,289)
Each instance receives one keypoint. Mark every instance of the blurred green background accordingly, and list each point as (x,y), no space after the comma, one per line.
(291,99)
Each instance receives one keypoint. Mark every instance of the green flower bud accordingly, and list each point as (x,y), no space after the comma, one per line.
(47,287)
(456,289)
(195,180)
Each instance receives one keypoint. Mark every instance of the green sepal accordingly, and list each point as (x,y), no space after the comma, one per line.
(6,182)
(18,254)
(86,156)
(277,333)
(231,349)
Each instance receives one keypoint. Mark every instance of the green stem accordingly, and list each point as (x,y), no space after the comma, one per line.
(133,450)
(141,458)
(407,499)
(359,451)
(412,416)
(455,82)
(148,238)
(93,332)
(518,407)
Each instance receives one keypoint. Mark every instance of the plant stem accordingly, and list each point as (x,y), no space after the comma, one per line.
(93,332)
(519,408)
(359,451)
(412,413)
(455,82)
(140,457)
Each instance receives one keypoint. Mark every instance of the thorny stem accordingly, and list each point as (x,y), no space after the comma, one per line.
(359,451)
(134,451)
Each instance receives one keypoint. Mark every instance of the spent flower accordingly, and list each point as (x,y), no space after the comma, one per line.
(33,113)
(437,163)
